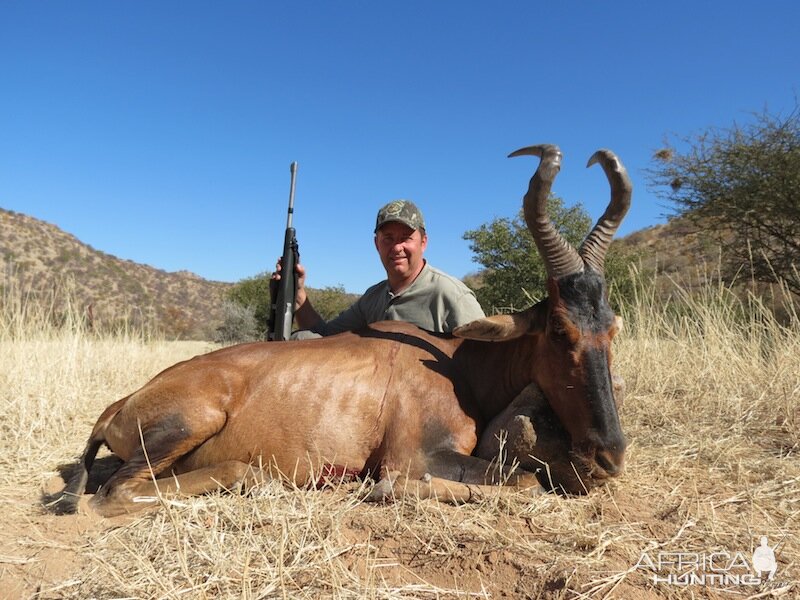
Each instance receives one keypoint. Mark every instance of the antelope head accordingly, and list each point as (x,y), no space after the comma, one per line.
(572,329)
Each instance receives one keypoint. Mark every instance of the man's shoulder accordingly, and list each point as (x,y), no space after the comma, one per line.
(374,295)
(379,288)
(446,281)
(456,298)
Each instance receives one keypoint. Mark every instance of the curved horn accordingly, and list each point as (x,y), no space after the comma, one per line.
(594,247)
(560,258)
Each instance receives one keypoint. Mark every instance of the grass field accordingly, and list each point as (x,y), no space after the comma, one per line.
(712,413)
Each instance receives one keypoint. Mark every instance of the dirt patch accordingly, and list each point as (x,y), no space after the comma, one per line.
(41,552)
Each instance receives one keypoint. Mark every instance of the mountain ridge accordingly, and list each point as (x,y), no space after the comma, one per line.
(39,257)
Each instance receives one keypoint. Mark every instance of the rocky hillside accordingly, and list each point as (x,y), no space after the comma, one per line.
(675,248)
(41,259)
(679,251)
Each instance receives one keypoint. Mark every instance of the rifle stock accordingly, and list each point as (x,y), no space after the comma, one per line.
(284,291)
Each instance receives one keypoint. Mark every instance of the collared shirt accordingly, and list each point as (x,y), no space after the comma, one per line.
(434,301)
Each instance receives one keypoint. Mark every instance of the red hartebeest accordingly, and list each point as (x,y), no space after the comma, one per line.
(390,398)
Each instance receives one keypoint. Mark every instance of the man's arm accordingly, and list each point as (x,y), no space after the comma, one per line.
(308,318)
(350,319)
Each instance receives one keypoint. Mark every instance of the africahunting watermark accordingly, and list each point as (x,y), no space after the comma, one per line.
(720,568)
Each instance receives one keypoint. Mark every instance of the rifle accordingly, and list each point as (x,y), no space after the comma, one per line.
(284,291)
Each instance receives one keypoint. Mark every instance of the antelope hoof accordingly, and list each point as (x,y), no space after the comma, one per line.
(382,492)
(87,508)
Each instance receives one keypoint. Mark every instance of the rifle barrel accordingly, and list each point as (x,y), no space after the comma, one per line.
(293,171)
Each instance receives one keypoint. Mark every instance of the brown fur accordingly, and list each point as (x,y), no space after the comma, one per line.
(391,398)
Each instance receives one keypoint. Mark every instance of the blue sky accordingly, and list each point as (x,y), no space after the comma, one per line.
(162,132)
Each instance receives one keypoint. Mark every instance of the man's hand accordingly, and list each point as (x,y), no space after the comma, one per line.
(300,271)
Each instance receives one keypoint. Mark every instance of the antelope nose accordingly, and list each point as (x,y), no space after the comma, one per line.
(612,462)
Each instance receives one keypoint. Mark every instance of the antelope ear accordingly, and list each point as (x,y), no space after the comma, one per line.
(496,329)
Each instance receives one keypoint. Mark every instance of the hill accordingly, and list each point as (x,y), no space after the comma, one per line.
(47,262)
(681,251)
(676,248)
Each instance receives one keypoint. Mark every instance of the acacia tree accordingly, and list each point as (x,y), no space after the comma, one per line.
(238,324)
(252,294)
(514,275)
(741,187)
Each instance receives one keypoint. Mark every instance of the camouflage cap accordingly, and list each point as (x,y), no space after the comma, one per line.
(401,211)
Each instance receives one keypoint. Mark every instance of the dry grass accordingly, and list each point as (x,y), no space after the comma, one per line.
(712,413)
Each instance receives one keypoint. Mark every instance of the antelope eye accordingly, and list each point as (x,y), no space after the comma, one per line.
(559,328)
(564,330)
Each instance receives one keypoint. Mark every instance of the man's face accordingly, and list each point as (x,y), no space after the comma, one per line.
(400,249)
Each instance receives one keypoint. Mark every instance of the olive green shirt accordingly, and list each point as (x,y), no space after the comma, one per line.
(434,301)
